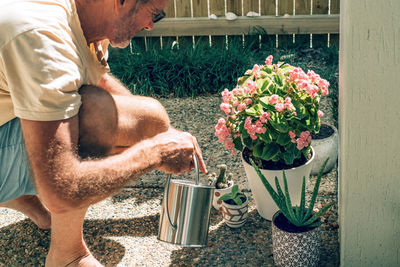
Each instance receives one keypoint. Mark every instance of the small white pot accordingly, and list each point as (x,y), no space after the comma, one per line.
(266,206)
(325,148)
(235,216)
(218,193)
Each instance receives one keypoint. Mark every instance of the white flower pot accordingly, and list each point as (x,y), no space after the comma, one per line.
(325,148)
(300,249)
(218,193)
(235,216)
(266,207)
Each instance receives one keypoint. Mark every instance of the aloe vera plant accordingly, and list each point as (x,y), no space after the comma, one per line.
(300,216)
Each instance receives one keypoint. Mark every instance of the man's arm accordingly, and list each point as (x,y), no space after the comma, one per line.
(64,181)
(113,85)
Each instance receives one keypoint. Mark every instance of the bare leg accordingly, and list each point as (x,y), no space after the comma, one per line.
(31,207)
(67,247)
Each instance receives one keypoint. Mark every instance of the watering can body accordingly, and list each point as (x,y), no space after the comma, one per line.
(185,214)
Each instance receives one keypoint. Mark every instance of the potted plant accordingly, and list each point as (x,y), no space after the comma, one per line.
(325,145)
(296,237)
(270,116)
(223,184)
(234,207)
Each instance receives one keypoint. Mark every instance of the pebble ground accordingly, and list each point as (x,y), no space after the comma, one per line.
(122,230)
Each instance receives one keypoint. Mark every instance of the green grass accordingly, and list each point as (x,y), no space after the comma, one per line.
(204,70)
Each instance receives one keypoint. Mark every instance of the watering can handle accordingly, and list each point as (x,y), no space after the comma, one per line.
(196,166)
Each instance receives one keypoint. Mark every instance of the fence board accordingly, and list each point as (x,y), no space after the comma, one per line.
(170,9)
(303,7)
(285,7)
(234,6)
(320,7)
(335,9)
(268,7)
(217,7)
(200,9)
(183,9)
(250,5)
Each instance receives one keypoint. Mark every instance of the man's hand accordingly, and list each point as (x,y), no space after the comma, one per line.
(177,149)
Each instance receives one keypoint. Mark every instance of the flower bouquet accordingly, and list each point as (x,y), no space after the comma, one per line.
(271,114)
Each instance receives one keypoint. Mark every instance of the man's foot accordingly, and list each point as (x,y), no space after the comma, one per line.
(86,260)
(31,207)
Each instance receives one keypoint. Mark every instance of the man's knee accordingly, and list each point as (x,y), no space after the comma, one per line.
(98,122)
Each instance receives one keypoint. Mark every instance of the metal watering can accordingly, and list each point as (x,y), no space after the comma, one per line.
(185,214)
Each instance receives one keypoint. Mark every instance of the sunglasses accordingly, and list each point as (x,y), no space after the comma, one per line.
(159,16)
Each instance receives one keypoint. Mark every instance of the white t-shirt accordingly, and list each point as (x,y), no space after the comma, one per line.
(44,60)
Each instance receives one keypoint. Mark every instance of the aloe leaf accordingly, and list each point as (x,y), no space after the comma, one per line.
(303,200)
(235,189)
(315,192)
(225,197)
(289,202)
(267,185)
(318,214)
(282,205)
(238,201)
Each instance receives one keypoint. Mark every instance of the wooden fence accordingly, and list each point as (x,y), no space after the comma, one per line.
(308,23)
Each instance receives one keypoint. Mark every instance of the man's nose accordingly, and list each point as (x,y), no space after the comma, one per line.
(149,27)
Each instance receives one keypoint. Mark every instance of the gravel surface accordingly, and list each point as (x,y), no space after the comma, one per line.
(122,230)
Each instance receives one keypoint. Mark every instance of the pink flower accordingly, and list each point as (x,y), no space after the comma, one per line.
(292,134)
(313,76)
(297,74)
(288,100)
(238,91)
(229,145)
(304,140)
(320,113)
(235,103)
(251,87)
(221,122)
(221,131)
(323,85)
(265,116)
(248,101)
(268,60)
(273,99)
(226,95)
(279,107)
(253,136)
(241,106)
(225,108)
(256,70)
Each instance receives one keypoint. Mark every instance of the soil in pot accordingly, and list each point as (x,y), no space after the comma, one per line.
(324,132)
(231,202)
(282,223)
(271,165)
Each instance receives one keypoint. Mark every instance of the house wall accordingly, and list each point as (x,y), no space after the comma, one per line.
(369,126)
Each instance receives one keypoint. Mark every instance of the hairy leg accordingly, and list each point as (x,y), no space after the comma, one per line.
(31,207)
(67,247)
(109,123)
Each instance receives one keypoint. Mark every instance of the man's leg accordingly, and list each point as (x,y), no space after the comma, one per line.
(106,124)
(32,207)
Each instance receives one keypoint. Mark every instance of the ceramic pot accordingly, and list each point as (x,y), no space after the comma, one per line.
(218,193)
(295,249)
(324,148)
(235,215)
(266,207)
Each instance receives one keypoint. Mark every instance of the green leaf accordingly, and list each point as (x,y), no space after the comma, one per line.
(279,122)
(262,83)
(271,191)
(238,201)
(251,111)
(258,150)
(225,197)
(282,206)
(270,151)
(315,191)
(318,214)
(283,139)
(242,80)
(238,143)
(278,79)
(303,198)
(235,189)
(289,206)
(288,157)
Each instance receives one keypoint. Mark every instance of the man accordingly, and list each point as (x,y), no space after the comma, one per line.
(84,133)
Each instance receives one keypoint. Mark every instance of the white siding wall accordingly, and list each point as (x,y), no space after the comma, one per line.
(369,120)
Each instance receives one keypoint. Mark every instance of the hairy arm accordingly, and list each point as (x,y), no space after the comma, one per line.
(65,181)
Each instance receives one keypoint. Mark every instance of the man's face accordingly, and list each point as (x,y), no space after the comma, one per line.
(134,17)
